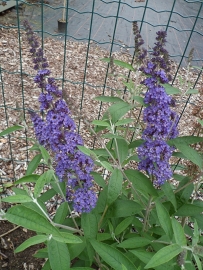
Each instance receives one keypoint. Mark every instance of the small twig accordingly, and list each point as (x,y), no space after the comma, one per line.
(3,255)
(190,182)
(9,231)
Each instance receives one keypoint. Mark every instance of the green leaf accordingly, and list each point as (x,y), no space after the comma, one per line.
(107,166)
(61,213)
(123,225)
(141,182)
(89,225)
(185,140)
(196,234)
(118,110)
(198,262)
(33,164)
(27,179)
(143,255)
(98,179)
(46,266)
(124,208)
(164,255)
(134,242)
(135,143)
(34,207)
(170,90)
(108,99)
(86,150)
(81,268)
(47,195)
(123,122)
(76,250)
(29,219)
(187,210)
(122,147)
(10,130)
(178,233)
(41,253)
(190,153)
(112,256)
(37,239)
(168,191)
(59,257)
(119,63)
(65,237)
(133,157)
(45,178)
(164,218)
(45,154)
(100,123)
(90,252)
(103,236)
(114,186)
(139,100)
(192,91)
(130,85)
(17,199)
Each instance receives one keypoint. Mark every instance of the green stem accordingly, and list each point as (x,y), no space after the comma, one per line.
(190,182)
(67,228)
(146,218)
(64,198)
(102,217)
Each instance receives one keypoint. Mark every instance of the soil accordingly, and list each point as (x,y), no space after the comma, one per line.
(19,261)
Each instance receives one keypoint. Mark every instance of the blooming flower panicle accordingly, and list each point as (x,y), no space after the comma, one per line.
(57,132)
(161,121)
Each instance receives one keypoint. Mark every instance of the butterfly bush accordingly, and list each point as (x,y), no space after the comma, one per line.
(161,121)
(56,131)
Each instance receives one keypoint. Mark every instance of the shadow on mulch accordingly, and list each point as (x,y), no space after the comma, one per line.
(20,261)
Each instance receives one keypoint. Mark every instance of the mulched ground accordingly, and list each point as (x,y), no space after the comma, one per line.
(20,261)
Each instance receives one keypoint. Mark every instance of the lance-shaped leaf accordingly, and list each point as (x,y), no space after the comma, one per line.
(59,256)
(30,219)
(10,130)
(164,218)
(112,256)
(114,186)
(33,164)
(164,255)
(17,199)
(178,233)
(89,225)
(37,239)
(45,178)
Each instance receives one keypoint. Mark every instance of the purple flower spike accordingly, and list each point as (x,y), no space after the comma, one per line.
(161,121)
(57,132)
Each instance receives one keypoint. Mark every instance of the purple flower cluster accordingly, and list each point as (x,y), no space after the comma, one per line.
(161,121)
(57,132)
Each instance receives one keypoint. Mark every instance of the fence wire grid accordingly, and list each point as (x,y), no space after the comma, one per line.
(104,24)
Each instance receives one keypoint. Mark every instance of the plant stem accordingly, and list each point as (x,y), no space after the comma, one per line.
(100,222)
(190,182)
(145,225)
(64,198)
(67,228)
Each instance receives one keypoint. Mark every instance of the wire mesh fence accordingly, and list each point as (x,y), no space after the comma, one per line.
(93,29)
